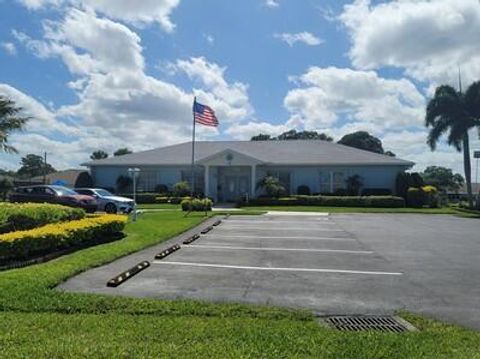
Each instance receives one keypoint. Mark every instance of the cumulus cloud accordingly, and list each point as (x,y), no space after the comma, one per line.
(9,48)
(244,131)
(325,96)
(271,3)
(305,38)
(427,38)
(134,12)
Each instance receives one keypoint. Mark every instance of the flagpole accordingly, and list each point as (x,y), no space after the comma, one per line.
(192,190)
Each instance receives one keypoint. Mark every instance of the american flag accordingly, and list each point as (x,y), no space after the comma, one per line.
(204,115)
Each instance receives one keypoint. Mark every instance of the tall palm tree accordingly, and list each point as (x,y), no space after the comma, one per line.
(10,121)
(456,113)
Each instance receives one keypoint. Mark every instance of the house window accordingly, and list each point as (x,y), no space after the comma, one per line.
(283,177)
(338,181)
(147,180)
(330,181)
(325,186)
(199,180)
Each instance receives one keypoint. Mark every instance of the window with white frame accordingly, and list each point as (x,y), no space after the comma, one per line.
(325,185)
(338,181)
(330,181)
(199,180)
(147,180)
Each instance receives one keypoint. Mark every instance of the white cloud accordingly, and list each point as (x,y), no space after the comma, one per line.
(271,3)
(118,103)
(306,38)
(247,130)
(324,96)
(230,100)
(134,12)
(427,38)
(9,48)
(138,12)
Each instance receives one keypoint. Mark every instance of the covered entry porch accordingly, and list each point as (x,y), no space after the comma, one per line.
(230,183)
(229,176)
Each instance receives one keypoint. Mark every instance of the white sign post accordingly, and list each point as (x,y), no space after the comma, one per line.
(134,173)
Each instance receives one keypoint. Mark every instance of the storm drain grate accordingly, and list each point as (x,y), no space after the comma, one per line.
(358,323)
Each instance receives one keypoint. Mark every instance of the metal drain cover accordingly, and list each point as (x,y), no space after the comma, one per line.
(358,323)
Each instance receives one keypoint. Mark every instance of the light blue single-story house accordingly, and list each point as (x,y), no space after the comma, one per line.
(229,170)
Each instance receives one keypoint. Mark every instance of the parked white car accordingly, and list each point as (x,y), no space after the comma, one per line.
(107,201)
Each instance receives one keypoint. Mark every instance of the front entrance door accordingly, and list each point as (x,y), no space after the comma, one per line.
(235,187)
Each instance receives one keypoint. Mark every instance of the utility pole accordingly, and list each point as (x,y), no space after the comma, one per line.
(45,167)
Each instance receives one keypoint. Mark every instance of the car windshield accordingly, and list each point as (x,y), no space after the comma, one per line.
(64,191)
(103,193)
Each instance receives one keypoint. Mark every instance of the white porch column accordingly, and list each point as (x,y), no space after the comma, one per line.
(254,180)
(331,181)
(207,180)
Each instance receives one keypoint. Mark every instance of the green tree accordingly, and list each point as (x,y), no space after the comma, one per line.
(271,186)
(98,155)
(443,178)
(362,140)
(261,137)
(6,185)
(10,121)
(122,152)
(34,165)
(293,135)
(454,112)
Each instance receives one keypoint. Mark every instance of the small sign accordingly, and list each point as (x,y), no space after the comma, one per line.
(476,154)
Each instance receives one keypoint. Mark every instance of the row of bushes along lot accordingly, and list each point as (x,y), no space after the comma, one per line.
(330,201)
(57,236)
(23,216)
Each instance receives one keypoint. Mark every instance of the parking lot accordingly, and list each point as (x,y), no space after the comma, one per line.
(337,264)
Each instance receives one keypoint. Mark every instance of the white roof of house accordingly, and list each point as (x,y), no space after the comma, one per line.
(293,152)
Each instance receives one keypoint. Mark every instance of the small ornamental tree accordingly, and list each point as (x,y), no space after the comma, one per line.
(181,189)
(271,186)
(124,183)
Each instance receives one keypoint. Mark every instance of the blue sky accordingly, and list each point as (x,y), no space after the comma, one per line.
(105,74)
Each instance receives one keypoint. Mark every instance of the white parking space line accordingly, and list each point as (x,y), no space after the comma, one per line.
(280,237)
(264,228)
(340,251)
(280,269)
(318,221)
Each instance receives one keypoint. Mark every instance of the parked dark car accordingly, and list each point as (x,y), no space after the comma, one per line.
(53,194)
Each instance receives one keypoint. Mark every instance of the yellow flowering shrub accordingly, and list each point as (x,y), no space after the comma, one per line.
(429,189)
(90,230)
(23,216)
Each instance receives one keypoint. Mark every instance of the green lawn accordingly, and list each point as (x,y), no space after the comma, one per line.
(38,321)
(159,206)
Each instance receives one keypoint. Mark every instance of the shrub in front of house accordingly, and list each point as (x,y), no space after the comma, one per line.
(196,205)
(431,196)
(53,237)
(303,190)
(376,192)
(162,189)
(181,189)
(416,197)
(331,201)
(23,216)
(142,197)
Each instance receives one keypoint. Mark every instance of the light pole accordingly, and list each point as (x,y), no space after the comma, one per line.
(134,173)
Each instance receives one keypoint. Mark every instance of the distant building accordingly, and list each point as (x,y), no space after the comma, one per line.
(68,178)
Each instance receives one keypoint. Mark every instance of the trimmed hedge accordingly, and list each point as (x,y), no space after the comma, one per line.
(142,198)
(53,237)
(197,205)
(24,216)
(331,201)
